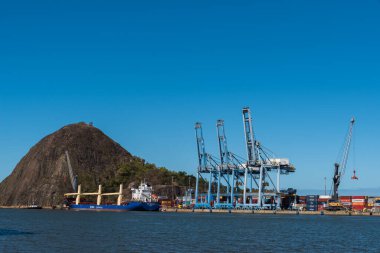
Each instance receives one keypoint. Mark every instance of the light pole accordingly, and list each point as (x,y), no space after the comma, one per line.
(325,187)
(172,188)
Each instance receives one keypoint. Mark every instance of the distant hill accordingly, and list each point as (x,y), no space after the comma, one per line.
(42,176)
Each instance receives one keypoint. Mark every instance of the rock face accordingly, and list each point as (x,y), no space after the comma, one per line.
(42,176)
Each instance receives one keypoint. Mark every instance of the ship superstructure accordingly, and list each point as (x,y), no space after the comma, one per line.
(143,193)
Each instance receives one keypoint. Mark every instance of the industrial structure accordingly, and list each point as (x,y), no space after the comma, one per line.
(235,182)
(340,169)
(99,194)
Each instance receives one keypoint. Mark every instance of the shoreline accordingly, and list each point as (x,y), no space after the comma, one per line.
(269,212)
(27,207)
(233,211)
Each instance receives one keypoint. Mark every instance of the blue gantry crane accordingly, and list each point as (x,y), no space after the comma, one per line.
(207,165)
(240,183)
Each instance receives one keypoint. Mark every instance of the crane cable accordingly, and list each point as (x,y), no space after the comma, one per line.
(354,177)
(338,158)
(347,148)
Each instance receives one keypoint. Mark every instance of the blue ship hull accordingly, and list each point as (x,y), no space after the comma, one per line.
(131,206)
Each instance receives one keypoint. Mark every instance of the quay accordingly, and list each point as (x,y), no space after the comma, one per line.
(269,212)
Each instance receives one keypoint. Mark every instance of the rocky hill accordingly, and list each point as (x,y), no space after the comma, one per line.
(42,176)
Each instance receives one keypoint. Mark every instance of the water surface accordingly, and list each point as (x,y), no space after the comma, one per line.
(89,231)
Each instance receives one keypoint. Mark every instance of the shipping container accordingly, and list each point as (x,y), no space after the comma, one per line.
(166,202)
(359,201)
(359,197)
(359,204)
(322,201)
(300,206)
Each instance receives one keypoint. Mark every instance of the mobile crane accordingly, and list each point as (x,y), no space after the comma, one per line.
(339,170)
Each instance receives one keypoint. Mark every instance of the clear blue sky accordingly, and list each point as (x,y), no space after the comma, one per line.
(144,72)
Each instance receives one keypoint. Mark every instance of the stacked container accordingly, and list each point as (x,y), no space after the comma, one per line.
(359,203)
(166,202)
(302,200)
(371,202)
(322,202)
(312,202)
(346,201)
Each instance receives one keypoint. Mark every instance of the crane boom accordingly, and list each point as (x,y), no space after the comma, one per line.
(202,156)
(253,154)
(340,168)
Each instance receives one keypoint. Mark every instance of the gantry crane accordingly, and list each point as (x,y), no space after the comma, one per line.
(233,181)
(206,165)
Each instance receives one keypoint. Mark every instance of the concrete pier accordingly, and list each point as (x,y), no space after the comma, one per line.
(268,212)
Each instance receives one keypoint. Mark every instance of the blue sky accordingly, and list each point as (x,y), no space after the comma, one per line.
(144,72)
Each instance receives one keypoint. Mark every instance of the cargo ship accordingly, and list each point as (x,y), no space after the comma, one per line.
(142,200)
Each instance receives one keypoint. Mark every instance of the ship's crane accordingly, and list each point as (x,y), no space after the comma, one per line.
(340,167)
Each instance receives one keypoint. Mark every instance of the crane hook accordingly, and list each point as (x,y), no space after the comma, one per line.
(354,177)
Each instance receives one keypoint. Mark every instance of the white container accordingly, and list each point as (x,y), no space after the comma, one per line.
(358,200)
(280,161)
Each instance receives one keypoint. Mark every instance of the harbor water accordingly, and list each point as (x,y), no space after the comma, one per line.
(91,231)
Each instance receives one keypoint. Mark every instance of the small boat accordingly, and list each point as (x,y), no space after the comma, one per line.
(33,207)
(141,201)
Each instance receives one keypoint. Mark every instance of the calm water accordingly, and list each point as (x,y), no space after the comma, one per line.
(69,231)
